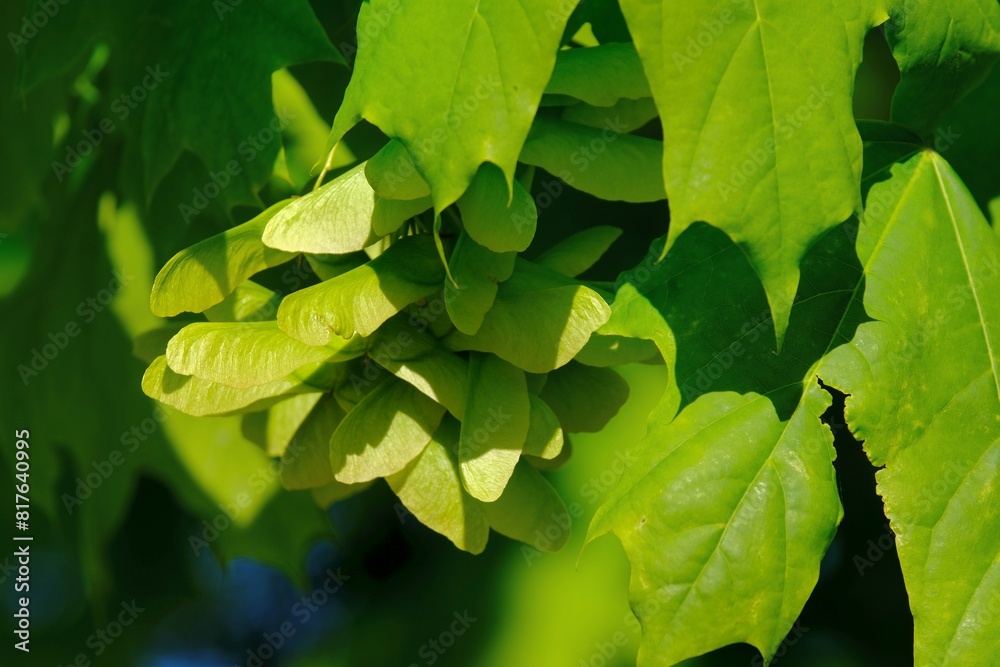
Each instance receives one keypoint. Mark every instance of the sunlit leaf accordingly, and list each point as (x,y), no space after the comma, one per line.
(198,397)
(750,95)
(484,66)
(201,276)
(359,301)
(690,511)
(719,349)
(539,321)
(431,488)
(924,397)
(386,430)
(335,219)
(248,354)
(494,426)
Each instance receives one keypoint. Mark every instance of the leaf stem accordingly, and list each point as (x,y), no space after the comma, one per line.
(326,167)
(440,249)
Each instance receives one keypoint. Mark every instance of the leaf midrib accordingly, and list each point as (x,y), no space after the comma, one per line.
(750,485)
(968,273)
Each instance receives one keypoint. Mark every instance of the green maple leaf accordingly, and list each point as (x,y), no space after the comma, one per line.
(729,467)
(203,72)
(750,95)
(217,104)
(944,50)
(691,513)
(494,427)
(458,87)
(924,385)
